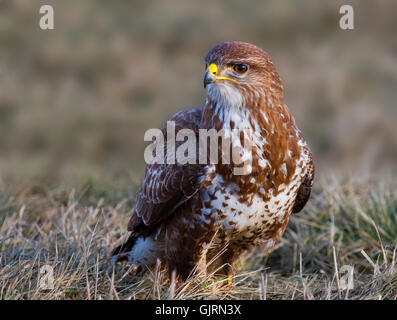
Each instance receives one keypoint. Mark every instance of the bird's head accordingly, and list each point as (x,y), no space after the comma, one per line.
(239,72)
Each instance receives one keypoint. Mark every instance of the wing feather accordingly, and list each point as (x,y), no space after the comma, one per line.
(305,188)
(166,186)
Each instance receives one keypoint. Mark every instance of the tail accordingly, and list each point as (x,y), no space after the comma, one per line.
(139,250)
(121,253)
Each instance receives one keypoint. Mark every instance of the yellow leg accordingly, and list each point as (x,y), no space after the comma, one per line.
(230,279)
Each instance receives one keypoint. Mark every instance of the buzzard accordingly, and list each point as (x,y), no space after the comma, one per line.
(185,212)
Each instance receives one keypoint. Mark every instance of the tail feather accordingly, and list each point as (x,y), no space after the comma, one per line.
(120,253)
(139,250)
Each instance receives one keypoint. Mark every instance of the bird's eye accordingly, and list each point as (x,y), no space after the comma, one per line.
(240,68)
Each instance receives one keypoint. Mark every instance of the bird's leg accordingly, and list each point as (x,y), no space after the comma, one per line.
(230,279)
(222,265)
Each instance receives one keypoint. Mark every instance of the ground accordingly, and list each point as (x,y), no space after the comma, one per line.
(345,223)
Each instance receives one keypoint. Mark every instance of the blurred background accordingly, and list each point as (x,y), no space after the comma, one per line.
(75,101)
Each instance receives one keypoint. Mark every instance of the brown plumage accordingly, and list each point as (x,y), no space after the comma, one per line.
(188,211)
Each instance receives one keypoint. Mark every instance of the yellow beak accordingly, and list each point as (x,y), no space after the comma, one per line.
(211,75)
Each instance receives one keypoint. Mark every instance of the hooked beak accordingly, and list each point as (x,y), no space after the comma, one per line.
(208,78)
(211,75)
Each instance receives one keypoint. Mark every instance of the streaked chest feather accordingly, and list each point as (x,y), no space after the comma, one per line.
(255,214)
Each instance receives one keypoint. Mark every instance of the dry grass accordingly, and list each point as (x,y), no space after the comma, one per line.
(348,224)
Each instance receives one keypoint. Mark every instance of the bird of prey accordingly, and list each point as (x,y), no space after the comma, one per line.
(186,212)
